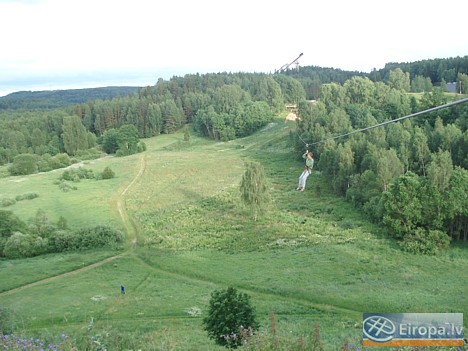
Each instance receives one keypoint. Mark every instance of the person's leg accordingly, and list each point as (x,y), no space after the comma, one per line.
(303,180)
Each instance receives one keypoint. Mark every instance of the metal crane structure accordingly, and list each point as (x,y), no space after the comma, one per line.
(286,66)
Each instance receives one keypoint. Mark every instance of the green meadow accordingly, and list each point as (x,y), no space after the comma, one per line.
(310,258)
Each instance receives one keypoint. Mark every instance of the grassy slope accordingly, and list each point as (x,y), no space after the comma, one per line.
(311,258)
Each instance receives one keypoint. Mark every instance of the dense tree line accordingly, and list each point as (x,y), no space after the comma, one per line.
(221,106)
(52,99)
(423,75)
(312,78)
(444,70)
(410,176)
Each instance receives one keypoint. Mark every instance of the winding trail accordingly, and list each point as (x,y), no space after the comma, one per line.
(130,228)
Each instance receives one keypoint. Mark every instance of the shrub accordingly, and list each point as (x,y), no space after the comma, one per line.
(59,161)
(65,187)
(141,146)
(423,241)
(74,175)
(86,238)
(107,173)
(18,245)
(89,154)
(228,311)
(23,164)
(7,202)
(27,196)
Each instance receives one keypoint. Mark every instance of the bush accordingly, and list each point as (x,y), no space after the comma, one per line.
(7,202)
(18,245)
(75,175)
(228,311)
(23,164)
(65,187)
(27,196)
(86,238)
(423,241)
(89,154)
(107,173)
(59,161)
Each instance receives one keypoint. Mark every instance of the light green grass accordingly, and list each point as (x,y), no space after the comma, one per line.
(16,273)
(310,258)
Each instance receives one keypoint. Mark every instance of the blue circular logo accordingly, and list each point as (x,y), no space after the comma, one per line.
(378,328)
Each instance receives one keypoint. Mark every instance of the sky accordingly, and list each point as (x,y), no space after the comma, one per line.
(68,44)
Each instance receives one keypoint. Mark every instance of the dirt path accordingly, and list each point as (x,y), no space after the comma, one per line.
(132,234)
(46,280)
(130,227)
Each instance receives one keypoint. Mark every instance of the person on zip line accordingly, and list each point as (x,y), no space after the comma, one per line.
(309,164)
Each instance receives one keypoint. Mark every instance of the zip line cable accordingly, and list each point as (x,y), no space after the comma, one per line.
(461,101)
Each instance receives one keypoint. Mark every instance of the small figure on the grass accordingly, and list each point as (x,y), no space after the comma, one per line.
(309,164)
(122,289)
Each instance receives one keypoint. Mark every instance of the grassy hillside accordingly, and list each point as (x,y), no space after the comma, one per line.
(311,258)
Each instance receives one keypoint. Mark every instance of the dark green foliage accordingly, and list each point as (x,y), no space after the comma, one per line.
(123,141)
(93,237)
(75,175)
(110,141)
(85,238)
(228,311)
(74,135)
(9,223)
(23,164)
(429,242)
(399,174)
(59,161)
(107,173)
(17,240)
(403,209)
(434,69)
(127,140)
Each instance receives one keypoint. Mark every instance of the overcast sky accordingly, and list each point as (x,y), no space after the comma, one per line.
(58,44)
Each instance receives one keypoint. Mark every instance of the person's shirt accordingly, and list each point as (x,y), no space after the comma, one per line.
(309,161)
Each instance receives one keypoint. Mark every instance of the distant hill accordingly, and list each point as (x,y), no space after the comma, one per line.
(49,99)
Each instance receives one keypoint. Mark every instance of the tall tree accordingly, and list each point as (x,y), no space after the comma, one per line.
(74,135)
(253,187)
(399,80)
(402,205)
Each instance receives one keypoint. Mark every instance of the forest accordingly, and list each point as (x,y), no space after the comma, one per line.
(423,75)
(50,99)
(411,176)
